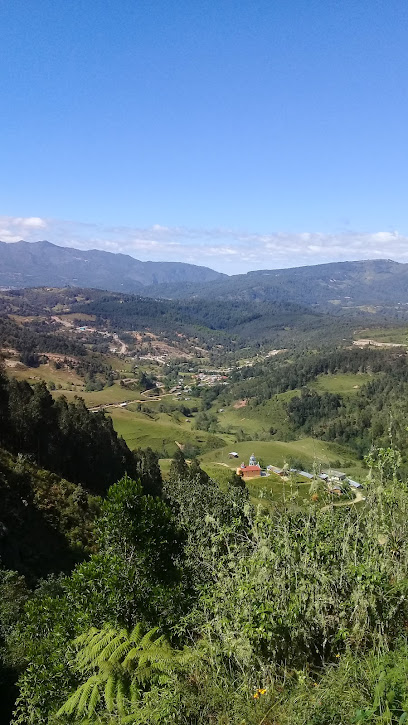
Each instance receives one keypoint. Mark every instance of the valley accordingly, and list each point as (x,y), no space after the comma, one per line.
(251,445)
(178,385)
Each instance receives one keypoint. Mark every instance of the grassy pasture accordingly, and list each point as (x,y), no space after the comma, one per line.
(20,319)
(82,316)
(48,373)
(342,383)
(310,451)
(270,414)
(107,396)
(267,491)
(159,431)
(396,335)
(272,490)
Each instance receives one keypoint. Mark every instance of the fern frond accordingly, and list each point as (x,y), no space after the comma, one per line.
(121,661)
(87,658)
(110,692)
(71,704)
(86,691)
(134,692)
(131,656)
(94,699)
(106,654)
(148,637)
(133,719)
(122,649)
(143,674)
(85,637)
(121,694)
(158,656)
(185,656)
(136,634)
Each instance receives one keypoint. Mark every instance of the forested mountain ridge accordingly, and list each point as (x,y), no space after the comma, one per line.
(219,326)
(333,286)
(24,264)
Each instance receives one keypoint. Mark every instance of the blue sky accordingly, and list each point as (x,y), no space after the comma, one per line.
(240,135)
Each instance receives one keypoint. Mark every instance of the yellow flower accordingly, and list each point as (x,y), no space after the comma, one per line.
(256,695)
(262,692)
(337,655)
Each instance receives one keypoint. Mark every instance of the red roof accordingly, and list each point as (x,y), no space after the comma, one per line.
(251,468)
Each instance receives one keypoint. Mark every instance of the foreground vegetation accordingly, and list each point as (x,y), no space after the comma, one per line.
(197,608)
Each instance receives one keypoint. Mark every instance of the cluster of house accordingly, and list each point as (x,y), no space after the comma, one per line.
(210,379)
(332,478)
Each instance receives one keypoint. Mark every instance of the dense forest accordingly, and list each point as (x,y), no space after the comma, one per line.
(230,323)
(214,325)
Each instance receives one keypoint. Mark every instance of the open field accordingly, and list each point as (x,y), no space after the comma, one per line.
(342,383)
(159,431)
(309,451)
(72,316)
(394,335)
(270,414)
(21,319)
(107,396)
(64,377)
(263,491)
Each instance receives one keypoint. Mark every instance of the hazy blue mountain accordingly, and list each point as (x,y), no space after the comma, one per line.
(37,264)
(330,286)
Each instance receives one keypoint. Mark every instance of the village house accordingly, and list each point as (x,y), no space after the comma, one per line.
(354,484)
(251,471)
(248,471)
(334,475)
(275,469)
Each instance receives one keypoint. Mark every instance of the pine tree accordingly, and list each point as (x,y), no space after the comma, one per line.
(179,468)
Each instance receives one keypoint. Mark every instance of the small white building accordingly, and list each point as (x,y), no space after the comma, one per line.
(275,469)
(334,475)
(354,484)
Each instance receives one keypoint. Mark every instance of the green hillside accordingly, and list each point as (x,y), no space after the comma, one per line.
(306,451)
(161,432)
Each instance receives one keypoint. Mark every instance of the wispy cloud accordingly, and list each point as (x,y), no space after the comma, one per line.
(228,250)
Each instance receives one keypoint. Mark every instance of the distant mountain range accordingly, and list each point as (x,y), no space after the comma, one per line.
(38,264)
(334,286)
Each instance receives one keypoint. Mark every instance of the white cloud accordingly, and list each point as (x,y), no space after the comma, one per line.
(31,222)
(229,250)
(15,228)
